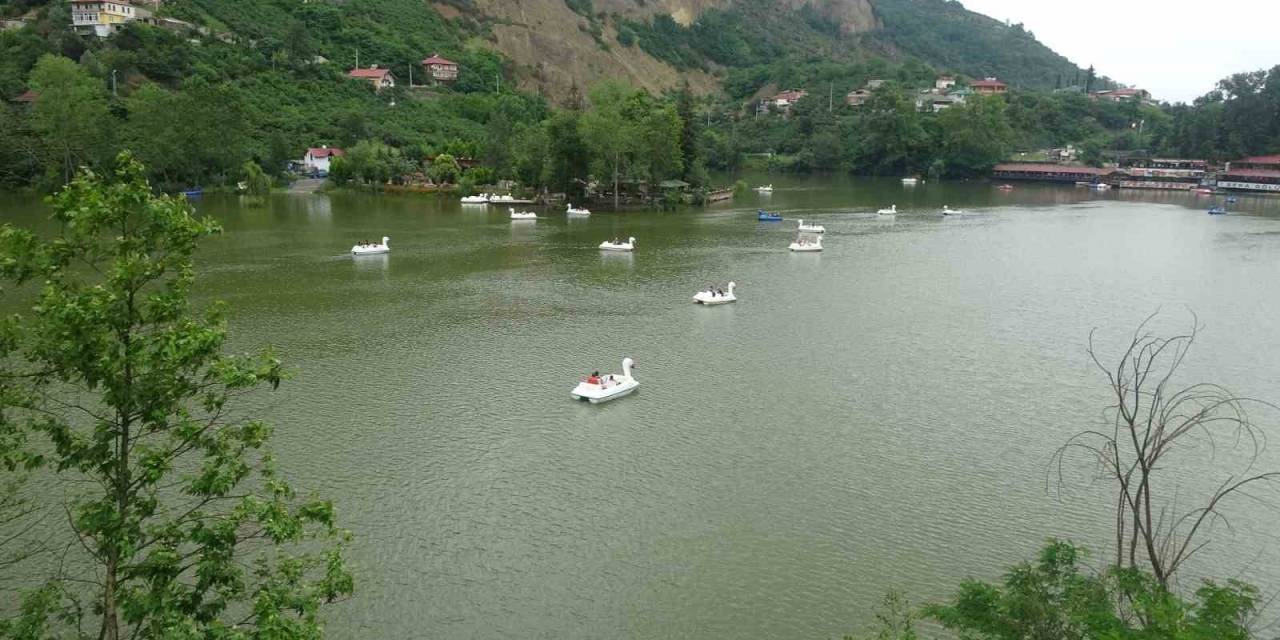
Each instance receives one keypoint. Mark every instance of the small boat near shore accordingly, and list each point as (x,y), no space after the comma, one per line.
(911,182)
(713,296)
(811,228)
(765,216)
(806,246)
(768,188)
(522,215)
(891,212)
(573,211)
(1218,211)
(596,388)
(629,245)
(368,249)
(948,211)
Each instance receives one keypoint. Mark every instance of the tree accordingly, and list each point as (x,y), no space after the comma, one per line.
(1159,524)
(187,529)
(974,137)
(70,113)
(609,134)
(445,169)
(1052,599)
(257,184)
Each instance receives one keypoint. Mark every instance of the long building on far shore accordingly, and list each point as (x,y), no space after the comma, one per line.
(1164,174)
(1261,173)
(1046,172)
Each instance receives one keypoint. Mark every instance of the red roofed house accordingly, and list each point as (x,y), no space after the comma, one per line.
(381,78)
(1260,173)
(26,98)
(989,87)
(317,159)
(782,102)
(440,69)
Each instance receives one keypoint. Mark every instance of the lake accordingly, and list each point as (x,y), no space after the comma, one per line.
(877,416)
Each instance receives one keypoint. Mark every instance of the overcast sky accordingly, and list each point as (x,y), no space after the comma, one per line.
(1176,49)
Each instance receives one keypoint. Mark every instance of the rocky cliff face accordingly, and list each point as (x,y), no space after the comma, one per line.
(557,50)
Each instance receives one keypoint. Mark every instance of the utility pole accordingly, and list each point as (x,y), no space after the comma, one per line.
(831,96)
(410,75)
(114,94)
(497,83)
(357,57)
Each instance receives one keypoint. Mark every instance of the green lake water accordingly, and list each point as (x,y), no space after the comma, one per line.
(878,416)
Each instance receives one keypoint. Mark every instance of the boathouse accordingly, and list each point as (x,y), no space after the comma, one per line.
(1050,172)
(1260,173)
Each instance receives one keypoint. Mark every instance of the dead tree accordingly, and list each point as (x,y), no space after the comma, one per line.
(1151,420)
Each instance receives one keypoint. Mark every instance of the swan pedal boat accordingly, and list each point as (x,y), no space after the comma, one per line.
(629,245)
(888,213)
(522,215)
(609,387)
(805,246)
(765,216)
(812,228)
(948,211)
(578,212)
(711,298)
(480,199)
(372,249)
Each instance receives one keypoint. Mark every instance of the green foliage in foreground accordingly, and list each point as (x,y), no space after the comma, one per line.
(1055,599)
(185,527)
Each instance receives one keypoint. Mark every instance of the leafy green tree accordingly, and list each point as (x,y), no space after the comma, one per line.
(974,137)
(891,137)
(187,529)
(69,115)
(609,134)
(257,184)
(445,169)
(1053,599)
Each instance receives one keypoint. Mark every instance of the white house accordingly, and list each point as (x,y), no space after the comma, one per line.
(317,159)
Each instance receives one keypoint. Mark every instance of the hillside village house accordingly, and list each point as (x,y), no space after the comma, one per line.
(25,99)
(935,102)
(380,78)
(944,83)
(440,69)
(1122,95)
(989,87)
(782,102)
(857,97)
(318,159)
(103,17)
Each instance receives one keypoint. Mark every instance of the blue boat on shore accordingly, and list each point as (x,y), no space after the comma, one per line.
(765,216)
(194,192)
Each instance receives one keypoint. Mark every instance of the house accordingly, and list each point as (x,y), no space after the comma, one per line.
(989,87)
(103,17)
(874,84)
(440,69)
(930,101)
(943,83)
(26,98)
(1259,173)
(380,78)
(16,23)
(1122,95)
(857,97)
(782,102)
(317,159)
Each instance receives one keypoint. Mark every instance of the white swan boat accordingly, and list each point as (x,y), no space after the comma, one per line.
(597,388)
(812,228)
(768,188)
(629,245)
(891,212)
(507,199)
(712,297)
(578,212)
(948,211)
(522,215)
(807,245)
(371,249)
(480,199)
